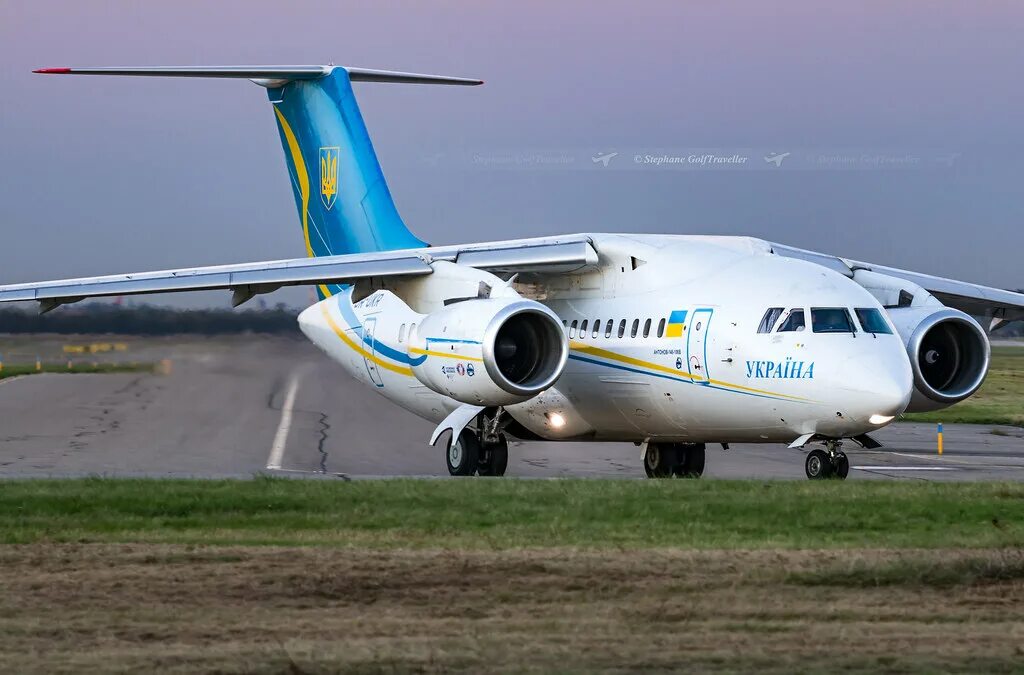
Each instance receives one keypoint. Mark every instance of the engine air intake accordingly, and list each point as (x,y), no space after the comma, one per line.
(524,349)
(950,356)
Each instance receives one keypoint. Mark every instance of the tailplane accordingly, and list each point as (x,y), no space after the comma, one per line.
(343,200)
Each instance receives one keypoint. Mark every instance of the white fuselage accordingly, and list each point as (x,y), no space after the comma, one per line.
(671,349)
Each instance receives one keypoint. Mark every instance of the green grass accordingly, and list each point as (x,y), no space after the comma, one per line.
(999,401)
(504,514)
(30,369)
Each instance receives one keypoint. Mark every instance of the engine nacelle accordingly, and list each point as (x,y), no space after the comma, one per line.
(496,351)
(949,354)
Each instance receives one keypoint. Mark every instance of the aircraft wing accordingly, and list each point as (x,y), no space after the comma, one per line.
(548,254)
(997,304)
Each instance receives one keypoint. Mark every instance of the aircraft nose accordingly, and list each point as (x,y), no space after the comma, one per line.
(878,390)
(891,395)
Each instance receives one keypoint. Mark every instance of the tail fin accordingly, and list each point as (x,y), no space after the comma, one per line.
(343,200)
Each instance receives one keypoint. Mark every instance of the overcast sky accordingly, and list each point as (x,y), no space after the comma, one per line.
(903,121)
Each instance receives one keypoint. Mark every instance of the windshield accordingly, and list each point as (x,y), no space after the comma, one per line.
(872,321)
(831,320)
(769,319)
(793,322)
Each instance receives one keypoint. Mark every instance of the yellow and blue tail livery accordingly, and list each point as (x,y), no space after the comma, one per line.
(343,200)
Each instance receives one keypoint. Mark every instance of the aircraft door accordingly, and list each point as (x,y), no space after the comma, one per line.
(696,345)
(370,341)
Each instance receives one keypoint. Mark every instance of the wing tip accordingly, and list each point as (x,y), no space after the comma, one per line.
(52,71)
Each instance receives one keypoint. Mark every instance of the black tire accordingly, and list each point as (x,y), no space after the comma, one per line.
(463,454)
(690,460)
(494,458)
(841,466)
(660,460)
(818,466)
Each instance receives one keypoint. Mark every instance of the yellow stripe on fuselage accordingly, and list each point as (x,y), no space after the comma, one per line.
(401,370)
(446,355)
(621,358)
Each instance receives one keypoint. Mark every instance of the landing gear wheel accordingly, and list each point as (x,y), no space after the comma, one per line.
(689,460)
(494,458)
(463,455)
(818,466)
(659,460)
(841,466)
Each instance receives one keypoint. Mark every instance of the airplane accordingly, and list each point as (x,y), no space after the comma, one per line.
(604,158)
(670,342)
(776,158)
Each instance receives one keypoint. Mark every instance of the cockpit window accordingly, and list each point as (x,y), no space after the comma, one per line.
(871,321)
(831,320)
(794,322)
(769,319)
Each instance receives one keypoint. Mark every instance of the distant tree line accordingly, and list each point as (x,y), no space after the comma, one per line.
(146,320)
(1015,329)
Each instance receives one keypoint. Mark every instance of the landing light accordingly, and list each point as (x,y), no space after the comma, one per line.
(556,420)
(880,419)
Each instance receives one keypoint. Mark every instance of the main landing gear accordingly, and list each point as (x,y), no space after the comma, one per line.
(667,460)
(483,451)
(828,463)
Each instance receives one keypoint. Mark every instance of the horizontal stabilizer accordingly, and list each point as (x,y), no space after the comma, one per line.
(272,73)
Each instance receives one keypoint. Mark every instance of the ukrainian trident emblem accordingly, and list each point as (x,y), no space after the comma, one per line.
(329,176)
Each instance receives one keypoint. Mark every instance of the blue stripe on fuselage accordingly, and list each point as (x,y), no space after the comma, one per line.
(576,357)
(348,313)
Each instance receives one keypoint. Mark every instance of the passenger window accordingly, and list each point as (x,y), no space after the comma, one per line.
(647,328)
(622,328)
(794,322)
(661,328)
(583,329)
(608,328)
(635,328)
(831,320)
(412,329)
(597,328)
(401,333)
(769,320)
(871,321)
(572,328)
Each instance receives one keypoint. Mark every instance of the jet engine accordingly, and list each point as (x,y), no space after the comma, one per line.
(489,352)
(949,354)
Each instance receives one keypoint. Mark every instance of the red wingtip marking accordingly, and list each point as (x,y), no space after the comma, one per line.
(52,71)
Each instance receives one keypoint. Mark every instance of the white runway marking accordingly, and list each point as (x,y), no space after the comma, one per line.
(883,467)
(281,437)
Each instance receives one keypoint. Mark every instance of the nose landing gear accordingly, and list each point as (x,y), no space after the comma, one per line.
(828,463)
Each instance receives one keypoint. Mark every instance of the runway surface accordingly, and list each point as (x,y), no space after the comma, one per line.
(231,407)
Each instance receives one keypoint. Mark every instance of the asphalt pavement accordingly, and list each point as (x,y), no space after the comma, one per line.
(223,411)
